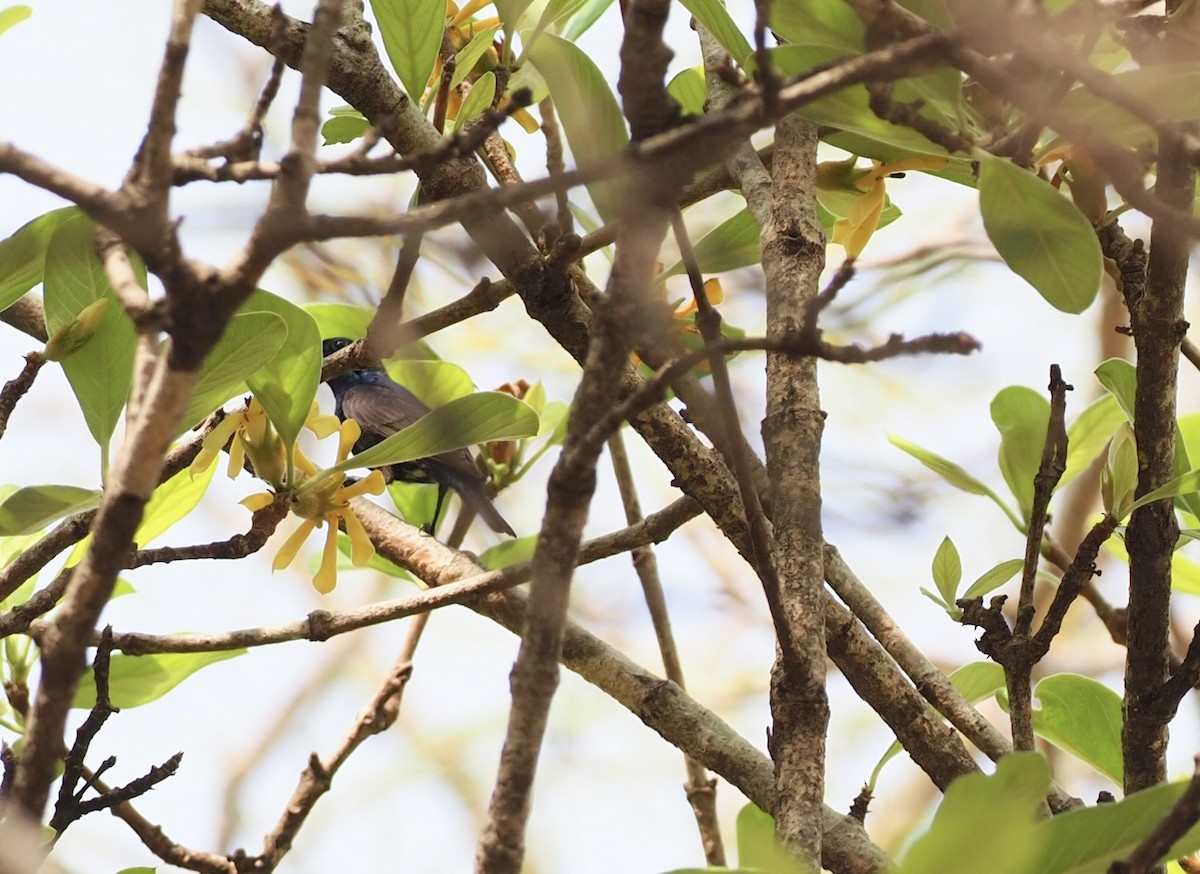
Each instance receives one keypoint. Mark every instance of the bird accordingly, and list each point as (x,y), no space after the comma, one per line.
(382,407)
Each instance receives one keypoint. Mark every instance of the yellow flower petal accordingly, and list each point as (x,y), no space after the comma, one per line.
(320,424)
(291,546)
(326,577)
(361,546)
(215,442)
(350,434)
(304,462)
(257,501)
(372,484)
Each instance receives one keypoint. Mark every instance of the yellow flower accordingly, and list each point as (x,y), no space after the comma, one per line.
(323,499)
(854,229)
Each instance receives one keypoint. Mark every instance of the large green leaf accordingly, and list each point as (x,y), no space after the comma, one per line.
(589,13)
(32,508)
(1089,433)
(1083,717)
(477,418)
(715,19)
(287,384)
(412,34)
(1021,416)
(510,15)
(758,848)
(101,371)
(1170,93)
(732,244)
(340,319)
(818,23)
(1089,839)
(137,680)
(250,341)
(590,116)
(23,255)
(171,501)
(434,382)
(1041,235)
(990,818)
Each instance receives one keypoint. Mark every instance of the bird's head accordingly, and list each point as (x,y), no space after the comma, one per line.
(333,344)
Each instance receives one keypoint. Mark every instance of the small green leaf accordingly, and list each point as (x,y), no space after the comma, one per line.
(138,870)
(1171,93)
(250,341)
(412,34)
(345,128)
(1083,717)
(1021,415)
(732,244)
(978,681)
(953,474)
(415,502)
(1119,477)
(1041,235)
(947,570)
(376,562)
(508,552)
(34,507)
(1187,484)
(11,16)
(137,680)
(590,115)
(100,372)
(287,384)
(1119,377)
(511,12)
(994,578)
(477,418)
(687,88)
(171,501)
(23,255)
(716,20)
(1007,801)
(483,92)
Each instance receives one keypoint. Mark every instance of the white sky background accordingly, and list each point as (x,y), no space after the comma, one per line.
(78,82)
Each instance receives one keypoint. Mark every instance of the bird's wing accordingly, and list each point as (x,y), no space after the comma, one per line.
(381,410)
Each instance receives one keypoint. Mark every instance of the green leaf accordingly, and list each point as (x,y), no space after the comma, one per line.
(757,848)
(1088,435)
(1187,484)
(137,680)
(819,23)
(415,502)
(978,681)
(589,13)
(1007,803)
(1119,477)
(508,552)
(953,474)
(510,15)
(34,507)
(687,88)
(23,255)
(340,319)
(477,418)
(412,34)
(994,578)
(1171,93)
(1083,717)
(100,372)
(435,382)
(848,109)
(715,19)
(287,384)
(947,570)
(138,870)
(1041,235)
(250,341)
(171,501)
(344,127)
(1021,415)
(1119,377)
(468,57)
(590,116)
(1089,839)
(9,17)
(732,244)
(483,92)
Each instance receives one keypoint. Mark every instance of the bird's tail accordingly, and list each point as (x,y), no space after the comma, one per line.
(477,500)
